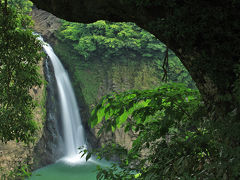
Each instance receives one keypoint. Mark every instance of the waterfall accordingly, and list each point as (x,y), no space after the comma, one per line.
(72,129)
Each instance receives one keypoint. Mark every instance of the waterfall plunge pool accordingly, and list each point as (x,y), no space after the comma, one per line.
(67,170)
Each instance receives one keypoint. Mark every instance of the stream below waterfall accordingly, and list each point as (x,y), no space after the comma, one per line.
(71,165)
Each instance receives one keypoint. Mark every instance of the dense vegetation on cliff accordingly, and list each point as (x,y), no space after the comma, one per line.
(107,41)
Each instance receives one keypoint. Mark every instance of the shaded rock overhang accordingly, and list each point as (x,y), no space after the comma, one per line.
(88,11)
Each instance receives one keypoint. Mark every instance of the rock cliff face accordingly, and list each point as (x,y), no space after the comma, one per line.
(45,24)
(46,151)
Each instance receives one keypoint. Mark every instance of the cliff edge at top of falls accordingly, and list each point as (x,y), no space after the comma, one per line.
(45,24)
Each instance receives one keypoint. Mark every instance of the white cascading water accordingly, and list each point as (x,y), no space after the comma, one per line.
(73,132)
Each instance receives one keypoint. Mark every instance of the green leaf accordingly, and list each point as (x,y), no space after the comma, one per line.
(88,156)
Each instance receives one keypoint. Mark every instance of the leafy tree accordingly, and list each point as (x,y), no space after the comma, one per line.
(20,53)
(92,39)
(22,6)
(175,140)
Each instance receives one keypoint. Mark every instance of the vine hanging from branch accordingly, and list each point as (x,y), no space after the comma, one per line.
(165,66)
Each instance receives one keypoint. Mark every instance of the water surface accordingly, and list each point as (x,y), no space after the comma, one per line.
(67,171)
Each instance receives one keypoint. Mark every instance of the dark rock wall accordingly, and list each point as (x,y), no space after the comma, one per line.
(48,150)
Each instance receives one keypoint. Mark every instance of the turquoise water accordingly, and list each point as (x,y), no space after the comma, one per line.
(63,171)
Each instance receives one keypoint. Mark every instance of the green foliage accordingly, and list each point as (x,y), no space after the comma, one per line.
(93,39)
(21,172)
(106,41)
(156,116)
(20,53)
(114,173)
(172,102)
(174,138)
(22,6)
